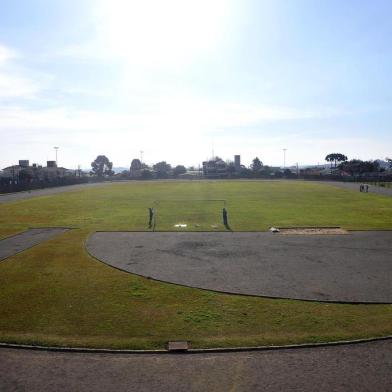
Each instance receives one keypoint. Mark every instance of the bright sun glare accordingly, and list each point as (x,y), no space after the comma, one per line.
(157,32)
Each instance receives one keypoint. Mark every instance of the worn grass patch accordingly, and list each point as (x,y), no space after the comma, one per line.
(56,294)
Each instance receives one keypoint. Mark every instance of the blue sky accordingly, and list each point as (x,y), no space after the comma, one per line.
(178,78)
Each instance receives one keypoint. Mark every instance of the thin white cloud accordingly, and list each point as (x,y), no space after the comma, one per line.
(6,54)
(172,117)
(177,130)
(14,84)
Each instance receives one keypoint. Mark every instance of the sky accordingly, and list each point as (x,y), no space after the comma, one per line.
(181,80)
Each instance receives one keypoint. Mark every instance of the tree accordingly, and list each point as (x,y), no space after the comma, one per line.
(179,169)
(357,167)
(162,169)
(230,167)
(267,171)
(389,160)
(245,172)
(124,174)
(136,164)
(335,157)
(146,174)
(102,166)
(256,165)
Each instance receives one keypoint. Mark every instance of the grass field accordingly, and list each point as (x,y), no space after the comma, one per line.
(56,294)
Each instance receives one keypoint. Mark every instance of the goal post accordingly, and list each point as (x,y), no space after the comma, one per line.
(188,214)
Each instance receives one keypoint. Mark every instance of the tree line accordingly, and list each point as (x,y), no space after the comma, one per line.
(216,167)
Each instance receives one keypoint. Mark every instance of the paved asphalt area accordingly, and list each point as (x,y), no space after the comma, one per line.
(360,367)
(19,242)
(355,267)
(9,197)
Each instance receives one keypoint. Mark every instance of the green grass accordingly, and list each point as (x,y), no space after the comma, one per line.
(56,294)
(252,206)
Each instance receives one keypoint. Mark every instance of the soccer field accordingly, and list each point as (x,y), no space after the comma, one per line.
(251,205)
(56,294)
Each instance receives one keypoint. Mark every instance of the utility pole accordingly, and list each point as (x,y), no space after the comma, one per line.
(56,148)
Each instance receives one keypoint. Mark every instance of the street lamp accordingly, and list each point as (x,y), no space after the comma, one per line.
(56,148)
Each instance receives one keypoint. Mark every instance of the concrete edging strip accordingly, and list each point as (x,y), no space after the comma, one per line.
(193,351)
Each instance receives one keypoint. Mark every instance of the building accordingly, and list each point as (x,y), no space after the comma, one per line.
(12,172)
(23,171)
(215,168)
(24,163)
(51,164)
(52,172)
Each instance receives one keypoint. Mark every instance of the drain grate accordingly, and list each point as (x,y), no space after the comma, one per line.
(178,346)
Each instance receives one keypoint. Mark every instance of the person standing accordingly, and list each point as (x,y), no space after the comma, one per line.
(224,214)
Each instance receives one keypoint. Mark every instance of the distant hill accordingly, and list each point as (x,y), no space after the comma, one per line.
(115,169)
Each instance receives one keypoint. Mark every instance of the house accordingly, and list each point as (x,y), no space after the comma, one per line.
(215,168)
(12,172)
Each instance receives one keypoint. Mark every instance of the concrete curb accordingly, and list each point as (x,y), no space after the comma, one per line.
(192,351)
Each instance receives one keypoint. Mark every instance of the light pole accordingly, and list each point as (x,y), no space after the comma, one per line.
(56,148)
(284,158)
